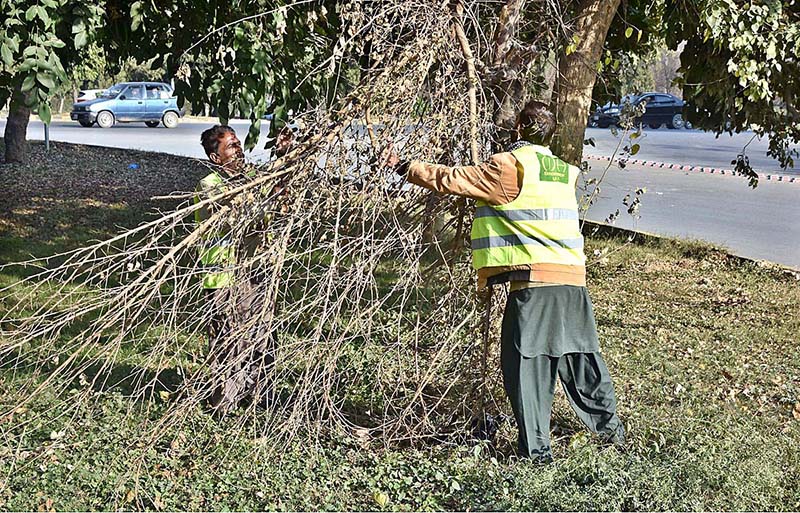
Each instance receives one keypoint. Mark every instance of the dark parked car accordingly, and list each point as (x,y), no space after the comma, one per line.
(150,102)
(661,108)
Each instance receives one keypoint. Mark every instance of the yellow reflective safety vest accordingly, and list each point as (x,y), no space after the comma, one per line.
(540,226)
(217,251)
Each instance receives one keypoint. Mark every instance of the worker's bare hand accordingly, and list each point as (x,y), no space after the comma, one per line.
(389,157)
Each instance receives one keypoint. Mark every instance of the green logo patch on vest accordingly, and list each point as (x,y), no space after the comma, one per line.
(552,169)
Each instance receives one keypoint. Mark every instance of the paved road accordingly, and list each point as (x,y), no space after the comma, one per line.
(183,140)
(691,147)
(663,145)
(763,223)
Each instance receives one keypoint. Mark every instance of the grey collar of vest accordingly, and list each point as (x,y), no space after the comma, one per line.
(517,145)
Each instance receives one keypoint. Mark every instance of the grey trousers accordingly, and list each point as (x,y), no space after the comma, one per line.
(241,360)
(530,384)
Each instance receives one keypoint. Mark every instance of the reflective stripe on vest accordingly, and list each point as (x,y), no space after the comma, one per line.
(217,251)
(540,225)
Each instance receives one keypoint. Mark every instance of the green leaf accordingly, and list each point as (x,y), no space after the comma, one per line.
(46,80)
(30,14)
(26,66)
(634,149)
(638,35)
(628,32)
(381,499)
(28,83)
(136,15)
(42,64)
(5,54)
(55,42)
(252,135)
(78,26)
(13,43)
(44,113)
(42,13)
(772,52)
(80,40)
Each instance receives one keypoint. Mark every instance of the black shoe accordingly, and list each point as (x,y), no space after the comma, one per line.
(486,428)
(545,457)
(615,438)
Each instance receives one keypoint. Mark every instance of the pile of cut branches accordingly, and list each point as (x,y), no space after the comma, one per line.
(364,288)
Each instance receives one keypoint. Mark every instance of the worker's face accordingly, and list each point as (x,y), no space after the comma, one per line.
(229,152)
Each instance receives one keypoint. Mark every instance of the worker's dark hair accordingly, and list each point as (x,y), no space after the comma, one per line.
(210,138)
(536,123)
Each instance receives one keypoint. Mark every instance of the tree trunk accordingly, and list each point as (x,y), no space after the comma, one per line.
(576,76)
(16,128)
(507,64)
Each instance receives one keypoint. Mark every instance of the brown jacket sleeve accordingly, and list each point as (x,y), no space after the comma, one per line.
(495,181)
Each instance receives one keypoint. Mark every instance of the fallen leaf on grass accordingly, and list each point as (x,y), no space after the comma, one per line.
(381,498)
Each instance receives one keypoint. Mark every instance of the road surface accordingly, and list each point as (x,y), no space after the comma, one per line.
(691,147)
(763,223)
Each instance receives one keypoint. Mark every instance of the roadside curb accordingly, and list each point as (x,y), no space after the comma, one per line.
(772,177)
(639,237)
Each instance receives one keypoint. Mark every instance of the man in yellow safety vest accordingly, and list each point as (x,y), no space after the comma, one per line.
(240,358)
(526,232)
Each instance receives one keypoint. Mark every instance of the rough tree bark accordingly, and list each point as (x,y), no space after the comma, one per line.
(16,128)
(576,76)
(507,61)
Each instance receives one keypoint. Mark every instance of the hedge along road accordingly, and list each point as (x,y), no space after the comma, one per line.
(763,223)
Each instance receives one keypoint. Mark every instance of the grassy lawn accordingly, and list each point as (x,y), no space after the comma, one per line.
(703,348)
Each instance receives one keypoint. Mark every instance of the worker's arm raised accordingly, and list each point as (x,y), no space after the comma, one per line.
(495,181)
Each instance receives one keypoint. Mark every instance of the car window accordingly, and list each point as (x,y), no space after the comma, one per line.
(152,91)
(664,99)
(113,91)
(165,92)
(133,92)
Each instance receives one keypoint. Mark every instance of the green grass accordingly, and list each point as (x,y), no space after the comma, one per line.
(703,348)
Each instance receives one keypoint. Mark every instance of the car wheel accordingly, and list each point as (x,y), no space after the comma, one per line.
(170,119)
(687,125)
(152,124)
(105,119)
(654,126)
(676,122)
(85,124)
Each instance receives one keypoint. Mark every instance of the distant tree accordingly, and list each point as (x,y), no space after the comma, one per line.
(253,57)
(665,65)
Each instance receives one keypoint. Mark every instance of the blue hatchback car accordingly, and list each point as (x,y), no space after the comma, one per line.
(150,102)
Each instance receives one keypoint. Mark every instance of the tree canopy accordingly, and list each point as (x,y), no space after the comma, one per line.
(38,41)
(255,58)
(739,68)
